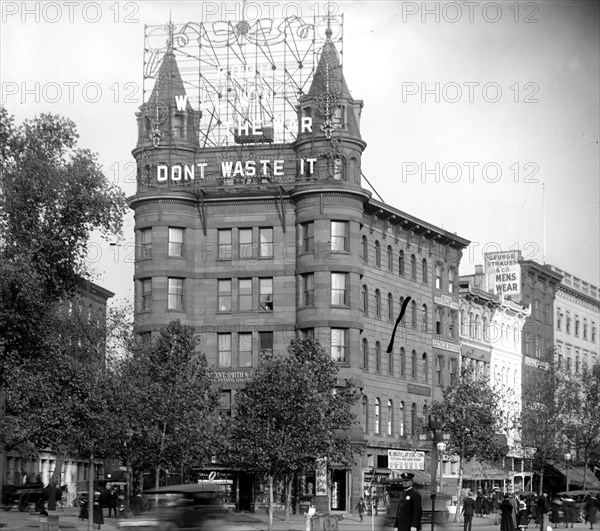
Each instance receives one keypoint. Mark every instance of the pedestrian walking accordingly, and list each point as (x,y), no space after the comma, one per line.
(98,515)
(408,516)
(112,499)
(486,505)
(523,517)
(468,510)
(361,508)
(506,520)
(543,510)
(514,501)
(479,504)
(592,507)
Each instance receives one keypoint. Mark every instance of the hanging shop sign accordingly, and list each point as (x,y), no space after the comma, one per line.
(406,460)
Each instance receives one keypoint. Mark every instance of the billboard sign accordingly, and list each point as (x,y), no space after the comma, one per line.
(406,460)
(503,272)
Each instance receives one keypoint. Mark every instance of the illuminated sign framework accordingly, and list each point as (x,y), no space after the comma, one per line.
(239,73)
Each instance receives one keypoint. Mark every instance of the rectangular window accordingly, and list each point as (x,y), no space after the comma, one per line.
(438,370)
(245,294)
(308,289)
(265,236)
(225,404)
(224,350)
(224,295)
(339,340)
(146,243)
(339,236)
(265,342)
(308,236)
(175,242)
(175,294)
(245,349)
(266,294)
(307,333)
(245,249)
(224,244)
(146,294)
(339,283)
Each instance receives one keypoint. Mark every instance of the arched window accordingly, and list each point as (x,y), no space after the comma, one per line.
(365,249)
(390,418)
(538,347)
(413,309)
(477,326)
(424,318)
(365,408)
(413,419)
(413,364)
(424,413)
(390,307)
(364,303)
(377,416)
(402,419)
(438,276)
(402,361)
(471,325)
(413,267)
(365,350)
(463,323)
(390,258)
(559,318)
(377,254)
(377,303)
(391,362)
(485,328)
(401,263)
(378,356)
(424,270)
(425,367)
(439,320)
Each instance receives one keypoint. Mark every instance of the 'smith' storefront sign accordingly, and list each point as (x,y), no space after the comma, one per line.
(406,460)
(232,376)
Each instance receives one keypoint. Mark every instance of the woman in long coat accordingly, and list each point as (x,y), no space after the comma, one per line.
(506,522)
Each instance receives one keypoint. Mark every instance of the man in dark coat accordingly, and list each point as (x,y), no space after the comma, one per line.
(468,510)
(408,516)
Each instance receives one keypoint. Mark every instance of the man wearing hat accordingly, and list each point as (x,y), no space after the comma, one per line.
(408,516)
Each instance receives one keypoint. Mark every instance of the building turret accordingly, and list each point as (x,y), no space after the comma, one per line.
(334,139)
(167,123)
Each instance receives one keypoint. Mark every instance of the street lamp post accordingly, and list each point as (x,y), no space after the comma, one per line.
(441,446)
(568,457)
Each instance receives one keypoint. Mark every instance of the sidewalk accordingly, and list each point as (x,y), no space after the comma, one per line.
(17,521)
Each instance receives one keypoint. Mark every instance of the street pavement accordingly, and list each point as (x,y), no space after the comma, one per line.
(25,521)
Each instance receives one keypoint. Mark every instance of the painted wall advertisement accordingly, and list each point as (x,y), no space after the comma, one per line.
(503,272)
(406,460)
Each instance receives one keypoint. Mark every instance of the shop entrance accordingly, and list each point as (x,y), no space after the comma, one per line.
(339,487)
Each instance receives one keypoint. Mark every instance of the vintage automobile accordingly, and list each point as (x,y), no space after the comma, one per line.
(190,507)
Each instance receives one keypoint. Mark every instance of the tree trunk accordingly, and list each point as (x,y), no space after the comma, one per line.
(271,501)
(54,482)
(90,525)
(585,458)
(460,481)
(2,448)
(289,478)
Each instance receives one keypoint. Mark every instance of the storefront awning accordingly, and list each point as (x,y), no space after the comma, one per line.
(576,474)
(481,470)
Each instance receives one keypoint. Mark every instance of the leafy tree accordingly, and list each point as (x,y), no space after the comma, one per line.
(290,414)
(581,415)
(164,397)
(472,412)
(543,414)
(52,196)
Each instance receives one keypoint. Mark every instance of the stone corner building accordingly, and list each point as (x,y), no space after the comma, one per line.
(255,243)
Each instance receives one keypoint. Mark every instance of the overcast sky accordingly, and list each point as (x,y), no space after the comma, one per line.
(505,93)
